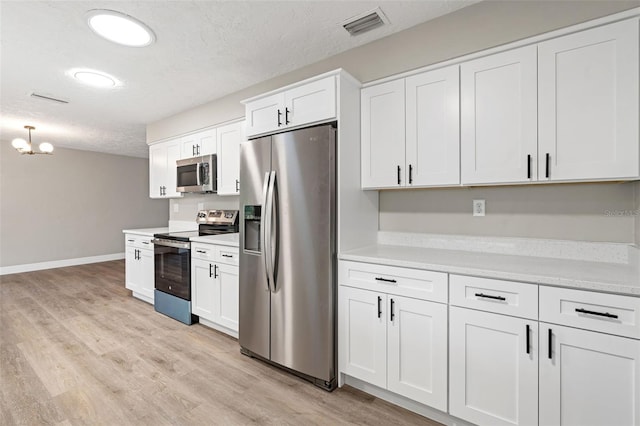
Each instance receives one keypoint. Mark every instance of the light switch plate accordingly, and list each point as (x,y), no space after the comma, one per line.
(478,207)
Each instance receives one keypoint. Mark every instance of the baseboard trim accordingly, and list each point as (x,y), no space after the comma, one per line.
(28,267)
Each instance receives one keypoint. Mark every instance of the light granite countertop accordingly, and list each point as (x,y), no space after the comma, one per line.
(147,232)
(622,278)
(232,240)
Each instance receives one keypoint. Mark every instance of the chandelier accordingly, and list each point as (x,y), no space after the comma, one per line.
(24,147)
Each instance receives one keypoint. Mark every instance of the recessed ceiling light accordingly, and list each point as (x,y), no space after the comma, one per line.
(93,78)
(120,28)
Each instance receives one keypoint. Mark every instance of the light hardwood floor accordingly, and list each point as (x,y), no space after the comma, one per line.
(76,348)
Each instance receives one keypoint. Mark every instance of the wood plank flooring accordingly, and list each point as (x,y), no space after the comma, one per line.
(77,349)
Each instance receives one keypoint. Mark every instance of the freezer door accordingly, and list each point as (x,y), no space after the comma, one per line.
(303,247)
(255,164)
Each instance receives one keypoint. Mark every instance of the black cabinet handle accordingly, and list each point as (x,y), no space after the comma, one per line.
(387,280)
(193,150)
(398,175)
(210,272)
(550,354)
(529,166)
(131,241)
(237,185)
(488,296)
(279,115)
(379,306)
(215,271)
(286,116)
(227,255)
(198,149)
(201,251)
(145,242)
(392,310)
(600,314)
(410,174)
(548,164)
(528,339)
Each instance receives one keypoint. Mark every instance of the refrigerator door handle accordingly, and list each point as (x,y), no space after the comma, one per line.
(274,230)
(265,220)
(269,233)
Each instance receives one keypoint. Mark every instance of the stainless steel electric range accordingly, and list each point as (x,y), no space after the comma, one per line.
(172,263)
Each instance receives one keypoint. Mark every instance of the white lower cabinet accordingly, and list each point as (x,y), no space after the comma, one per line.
(215,286)
(588,378)
(493,368)
(395,343)
(139,272)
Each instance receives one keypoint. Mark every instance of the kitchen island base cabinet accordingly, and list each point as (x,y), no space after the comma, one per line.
(396,343)
(139,272)
(215,286)
(588,378)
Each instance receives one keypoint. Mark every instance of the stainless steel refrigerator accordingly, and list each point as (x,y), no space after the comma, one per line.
(287,251)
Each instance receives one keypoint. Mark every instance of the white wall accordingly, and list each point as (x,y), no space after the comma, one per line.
(72,204)
(636,213)
(188,206)
(517,211)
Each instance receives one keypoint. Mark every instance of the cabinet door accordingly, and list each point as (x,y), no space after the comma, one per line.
(173,155)
(383,135)
(204,290)
(589,379)
(363,340)
(229,139)
(417,350)
(311,102)
(157,169)
(265,114)
(188,146)
(499,117)
(589,104)
(433,127)
(228,286)
(132,270)
(206,142)
(147,271)
(493,380)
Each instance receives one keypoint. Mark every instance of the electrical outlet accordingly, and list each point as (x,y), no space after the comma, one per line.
(478,207)
(200,206)
(176,207)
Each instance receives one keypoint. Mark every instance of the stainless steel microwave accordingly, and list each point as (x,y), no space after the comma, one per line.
(197,174)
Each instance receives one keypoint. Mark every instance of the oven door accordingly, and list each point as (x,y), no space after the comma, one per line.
(173,270)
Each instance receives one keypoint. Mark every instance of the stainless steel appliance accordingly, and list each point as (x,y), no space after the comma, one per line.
(197,174)
(172,263)
(287,252)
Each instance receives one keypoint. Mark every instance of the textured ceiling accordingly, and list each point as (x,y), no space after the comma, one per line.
(204,50)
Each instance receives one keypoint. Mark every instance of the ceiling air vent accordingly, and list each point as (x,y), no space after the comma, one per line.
(47,98)
(365,22)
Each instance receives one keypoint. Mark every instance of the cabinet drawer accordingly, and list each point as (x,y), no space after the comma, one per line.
(203,251)
(607,313)
(407,282)
(228,255)
(502,297)
(138,241)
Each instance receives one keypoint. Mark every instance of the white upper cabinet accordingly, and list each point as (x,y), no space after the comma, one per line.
(588,104)
(228,147)
(307,103)
(383,135)
(499,126)
(200,143)
(410,131)
(162,169)
(433,128)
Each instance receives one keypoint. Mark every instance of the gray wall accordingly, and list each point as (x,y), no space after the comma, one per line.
(516,211)
(72,204)
(585,212)
(637,214)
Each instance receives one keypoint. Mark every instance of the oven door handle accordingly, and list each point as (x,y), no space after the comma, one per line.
(265,217)
(169,243)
